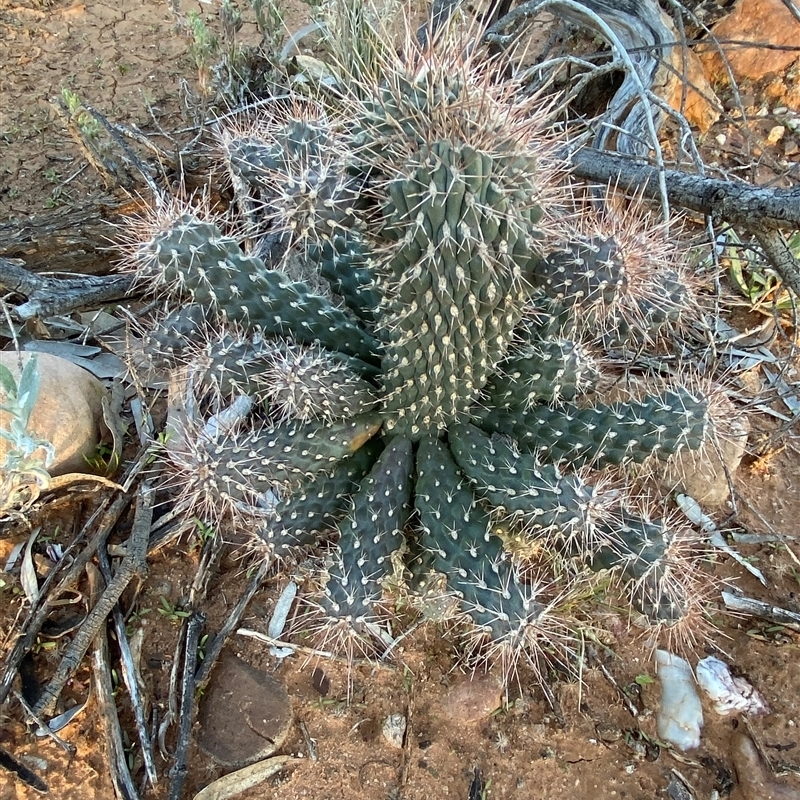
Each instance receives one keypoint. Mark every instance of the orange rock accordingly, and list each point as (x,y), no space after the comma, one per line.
(767,21)
(698,103)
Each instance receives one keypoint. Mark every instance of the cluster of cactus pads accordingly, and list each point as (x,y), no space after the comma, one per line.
(425,407)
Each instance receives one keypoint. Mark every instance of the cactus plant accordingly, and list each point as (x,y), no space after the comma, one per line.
(447,369)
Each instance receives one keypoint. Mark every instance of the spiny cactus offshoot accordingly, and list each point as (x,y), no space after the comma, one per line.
(441,401)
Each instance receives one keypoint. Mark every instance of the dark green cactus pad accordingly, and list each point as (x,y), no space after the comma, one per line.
(456,533)
(455,288)
(299,382)
(637,547)
(520,484)
(371,533)
(210,268)
(585,272)
(543,371)
(347,263)
(611,433)
(300,173)
(245,467)
(315,506)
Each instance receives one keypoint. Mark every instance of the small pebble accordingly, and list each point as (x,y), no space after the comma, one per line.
(776,134)
(394,730)
(721,139)
(608,732)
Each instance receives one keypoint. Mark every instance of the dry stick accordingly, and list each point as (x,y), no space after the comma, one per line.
(758,608)
(50,296)
(129,676)
(132,565)
(104,691)
(68,747)
(107,516)
(213,651)
(762,210)
(172,702)
(180,770)
(26,775)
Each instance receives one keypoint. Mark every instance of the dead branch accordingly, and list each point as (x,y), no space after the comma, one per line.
(49,296)
(215,648)
(102,521)
(132,565)
(69,240)
(104,692)
(761,210)
(194,626)
(129,675)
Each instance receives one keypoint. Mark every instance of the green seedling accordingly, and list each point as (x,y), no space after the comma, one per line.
(172,612)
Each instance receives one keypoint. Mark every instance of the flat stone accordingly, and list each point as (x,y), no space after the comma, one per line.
(768,21)
(68,411)
(246,715)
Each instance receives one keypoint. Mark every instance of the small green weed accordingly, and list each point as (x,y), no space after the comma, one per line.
(172,612)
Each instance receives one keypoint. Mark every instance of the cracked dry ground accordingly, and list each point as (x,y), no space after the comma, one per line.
(123,57)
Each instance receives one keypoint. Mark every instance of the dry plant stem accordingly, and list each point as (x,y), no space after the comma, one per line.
(215,648)
(209,556)
(103,520)
(106,704)
(626,701)
(312,653)
(309,742)
(112,176)
(50,296)
(172,697)
(132,565)
(758,608)
(194,626)
(26,775)
(66,746)
(129,676)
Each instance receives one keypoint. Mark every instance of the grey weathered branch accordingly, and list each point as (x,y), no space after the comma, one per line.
(124,787)
(132,565)
(740,203)
(69,239)
(761,210)
(49,296)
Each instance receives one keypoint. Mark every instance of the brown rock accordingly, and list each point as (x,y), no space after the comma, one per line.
(246,715)
(698,103)
(68,411)
(768,21)
(473,700)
